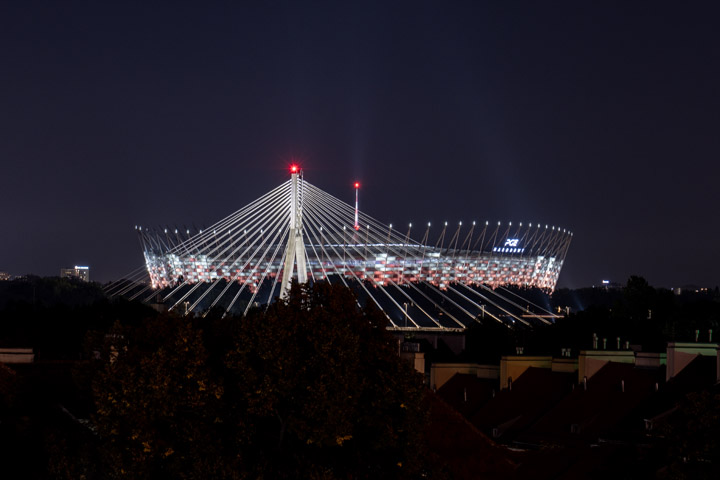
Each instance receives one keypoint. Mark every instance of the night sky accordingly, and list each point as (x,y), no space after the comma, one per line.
(599,117)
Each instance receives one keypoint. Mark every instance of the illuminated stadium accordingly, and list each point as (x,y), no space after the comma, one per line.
(298,232)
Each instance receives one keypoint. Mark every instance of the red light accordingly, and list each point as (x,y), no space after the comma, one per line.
(294,168)
(357,227)
(357,184)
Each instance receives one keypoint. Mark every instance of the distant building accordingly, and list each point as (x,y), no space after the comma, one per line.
(4,276)
(82,273)
(17,355)
(689,289)
(610,285)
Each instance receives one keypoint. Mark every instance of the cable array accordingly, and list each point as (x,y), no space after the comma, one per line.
(239,262)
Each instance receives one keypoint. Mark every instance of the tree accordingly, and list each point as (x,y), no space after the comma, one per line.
(322,388)
(158,406)
(311,388)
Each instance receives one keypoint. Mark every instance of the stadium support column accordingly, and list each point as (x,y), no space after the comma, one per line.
(295,250)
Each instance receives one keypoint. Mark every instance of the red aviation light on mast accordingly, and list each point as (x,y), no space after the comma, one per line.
(294,168)
(357,188)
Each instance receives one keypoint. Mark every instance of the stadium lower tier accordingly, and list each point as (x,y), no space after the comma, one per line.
(490,269)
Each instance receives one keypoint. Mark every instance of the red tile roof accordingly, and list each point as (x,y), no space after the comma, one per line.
(466,393)
(535,392)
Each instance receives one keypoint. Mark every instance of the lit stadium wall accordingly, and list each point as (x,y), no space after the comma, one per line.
(302,229)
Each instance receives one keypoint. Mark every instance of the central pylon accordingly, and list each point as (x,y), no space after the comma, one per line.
(295,250)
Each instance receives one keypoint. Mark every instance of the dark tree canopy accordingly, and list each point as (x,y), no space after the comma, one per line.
(311,388)
(158,406)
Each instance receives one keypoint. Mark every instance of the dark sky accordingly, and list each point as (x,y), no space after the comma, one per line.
(600,117)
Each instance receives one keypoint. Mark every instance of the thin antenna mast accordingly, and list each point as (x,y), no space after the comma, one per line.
(357,188)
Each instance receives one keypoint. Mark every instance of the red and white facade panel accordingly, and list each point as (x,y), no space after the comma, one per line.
(492,269)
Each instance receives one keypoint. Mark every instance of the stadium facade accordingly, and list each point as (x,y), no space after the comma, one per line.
(299,232)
